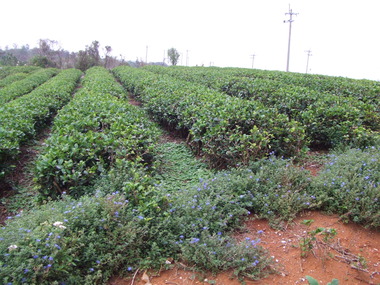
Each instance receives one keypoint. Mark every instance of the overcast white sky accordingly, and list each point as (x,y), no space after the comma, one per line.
(342,35)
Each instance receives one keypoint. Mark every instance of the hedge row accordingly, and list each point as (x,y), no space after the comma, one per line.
(329,119)
(20,118)
(90,133)
(12,78)
(228,130)
(365,90)
(8,70)
(19,88)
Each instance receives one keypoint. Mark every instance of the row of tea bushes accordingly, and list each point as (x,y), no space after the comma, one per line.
(9,70)
(330,119)
(12,78)
(97,128)
(22,87)
(227,130)
(20,118)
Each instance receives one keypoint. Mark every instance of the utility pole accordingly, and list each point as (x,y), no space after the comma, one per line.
(146,55)
(253,58)
(164,56)
(187,57)
(307,62)
(290,32)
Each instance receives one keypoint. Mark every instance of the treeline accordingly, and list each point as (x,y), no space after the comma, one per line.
(50,54)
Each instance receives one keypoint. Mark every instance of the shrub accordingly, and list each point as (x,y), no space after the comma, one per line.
(349,185)
(71,241)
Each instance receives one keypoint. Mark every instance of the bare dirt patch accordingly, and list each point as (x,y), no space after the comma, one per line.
(323,263)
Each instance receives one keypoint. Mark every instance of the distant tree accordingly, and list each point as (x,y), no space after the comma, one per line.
(108,58)
(93,52)
(7,58)
(173,55)
(42,61)
(89,57)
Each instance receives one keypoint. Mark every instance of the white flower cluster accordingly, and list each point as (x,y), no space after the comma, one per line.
(59,225)
(12,247)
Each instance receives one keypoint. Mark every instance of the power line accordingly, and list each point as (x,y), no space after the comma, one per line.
(307,62)
(290,32)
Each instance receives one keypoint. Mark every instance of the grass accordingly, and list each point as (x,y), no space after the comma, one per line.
(177,167)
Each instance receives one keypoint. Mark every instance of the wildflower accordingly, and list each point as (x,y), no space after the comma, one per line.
(12,247)
(129,268)
(59,225)
(92,269)
(194,240)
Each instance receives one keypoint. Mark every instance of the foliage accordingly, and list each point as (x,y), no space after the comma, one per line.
(90,134)
(308,241)
(217,253)
(89,57)
(22,87)
(349,185)
(177,168)
(21,118)
(227,130)
(273,188)
(313,281)
(12,78)
(71,242)
(173,55)
(334,111)
(41,61)
(7,58)
(9,70)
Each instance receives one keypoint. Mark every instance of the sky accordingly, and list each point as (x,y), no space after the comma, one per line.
(343,36)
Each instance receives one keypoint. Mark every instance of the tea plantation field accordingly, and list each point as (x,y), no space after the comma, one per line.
(107,194)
